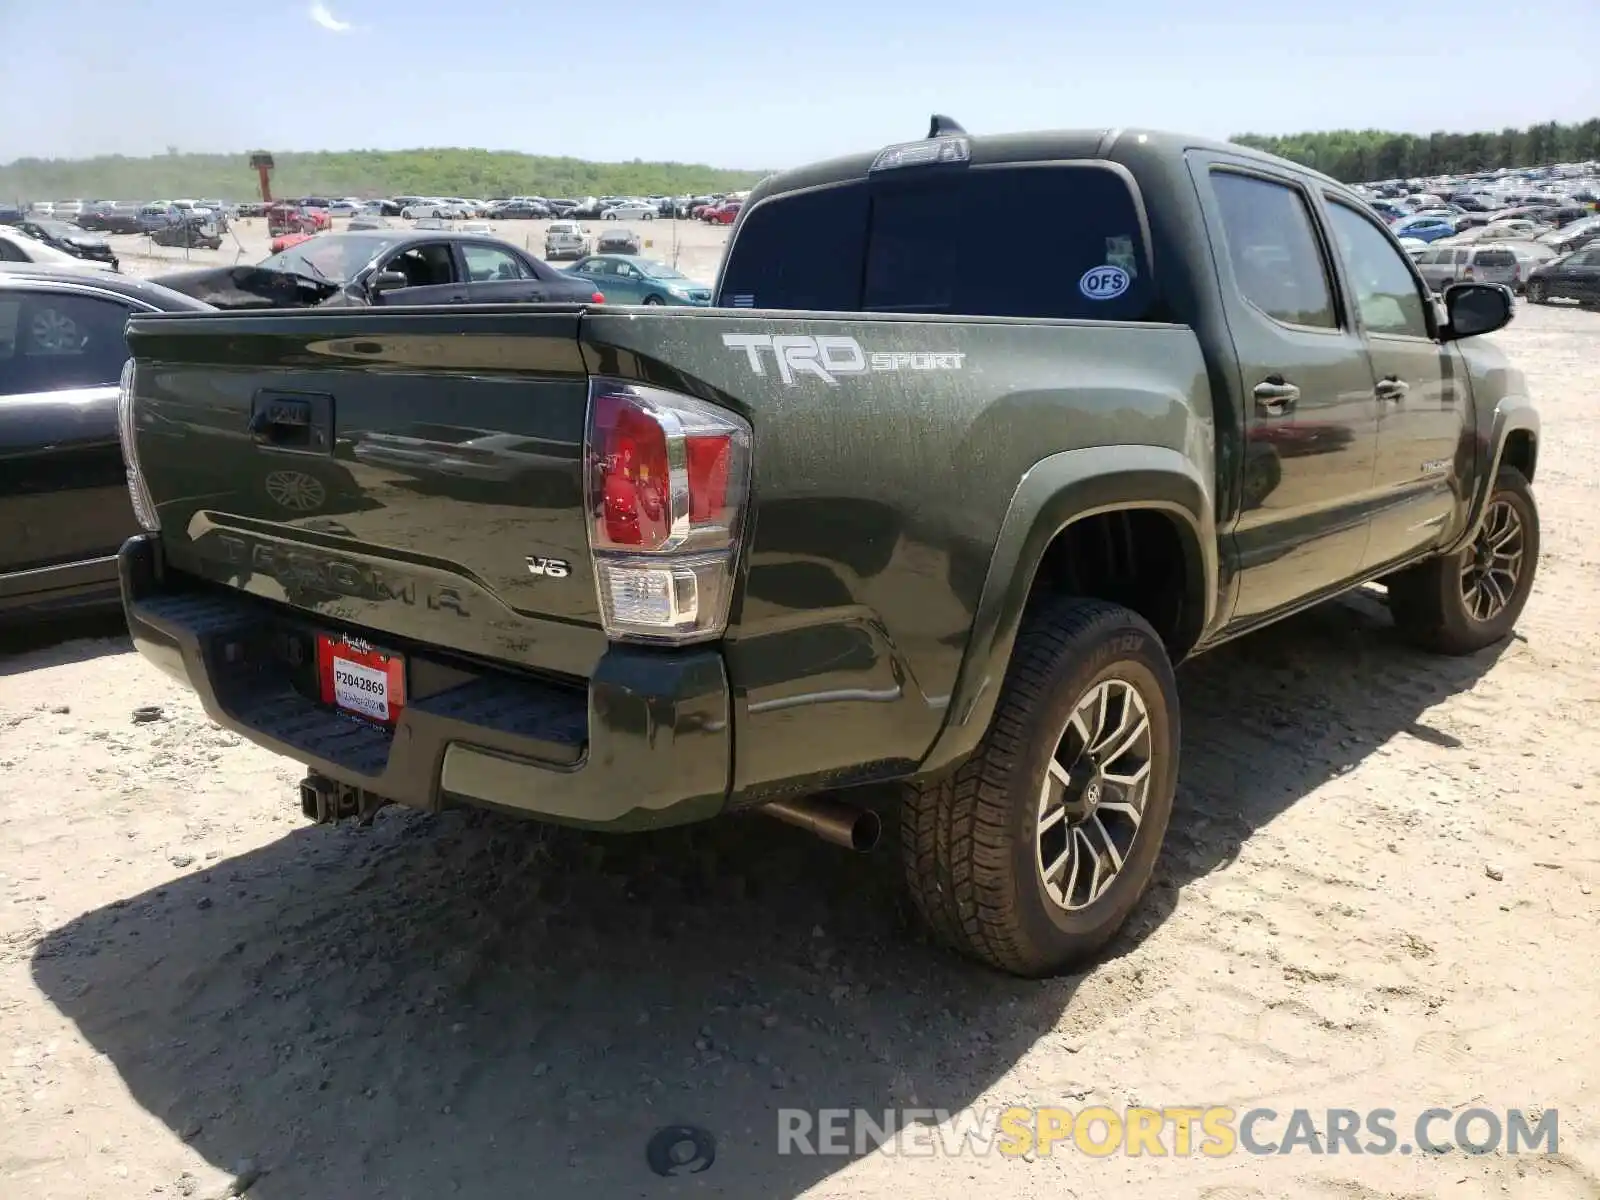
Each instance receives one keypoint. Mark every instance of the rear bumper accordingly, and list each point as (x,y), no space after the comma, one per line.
(647,743)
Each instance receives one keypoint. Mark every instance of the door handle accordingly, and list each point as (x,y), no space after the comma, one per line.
(1392,388)
(1274,396)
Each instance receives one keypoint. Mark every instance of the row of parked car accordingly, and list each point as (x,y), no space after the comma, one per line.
(1531,230)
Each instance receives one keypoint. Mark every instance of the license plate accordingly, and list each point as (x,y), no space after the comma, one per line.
(361,679)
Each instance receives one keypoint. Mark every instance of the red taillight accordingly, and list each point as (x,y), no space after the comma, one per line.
(631,448)
(598,298)
(667,480)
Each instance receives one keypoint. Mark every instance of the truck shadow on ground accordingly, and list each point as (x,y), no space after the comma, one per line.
(59,640)
(467,1005)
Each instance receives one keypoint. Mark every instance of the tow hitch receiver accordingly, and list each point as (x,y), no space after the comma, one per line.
(325,800)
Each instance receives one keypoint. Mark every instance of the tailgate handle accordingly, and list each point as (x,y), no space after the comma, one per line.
(292,422)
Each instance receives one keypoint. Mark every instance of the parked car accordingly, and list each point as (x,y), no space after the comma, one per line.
(722,214)
(70,239)
(387,267)
(711,607)
(438,209)
(628,279)
(1481,262)
(565,239)
(519,210)
(18,247)
(1572,237)
(618,241)
(284,240)
(194,232)
(156,216)
(1573,277)
(367,221)
(1427,229)
(111,216)
(64,508)
(630,210)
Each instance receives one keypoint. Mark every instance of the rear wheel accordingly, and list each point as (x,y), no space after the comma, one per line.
(1031,855)
(1536,291)
(1460,603)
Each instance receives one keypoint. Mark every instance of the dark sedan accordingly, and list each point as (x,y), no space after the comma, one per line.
(388,267)
(64,506)
(1574,277)
(70,239)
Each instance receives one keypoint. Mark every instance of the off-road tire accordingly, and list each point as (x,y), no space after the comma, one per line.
(968,839)
(1427,600)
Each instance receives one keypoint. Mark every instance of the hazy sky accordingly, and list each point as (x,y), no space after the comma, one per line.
(761,83)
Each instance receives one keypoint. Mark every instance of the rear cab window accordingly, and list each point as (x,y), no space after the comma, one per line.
(925,243)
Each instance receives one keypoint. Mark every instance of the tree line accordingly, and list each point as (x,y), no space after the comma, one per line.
(1362,155)
(363,173)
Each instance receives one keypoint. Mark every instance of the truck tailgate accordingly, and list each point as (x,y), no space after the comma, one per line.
(369,468)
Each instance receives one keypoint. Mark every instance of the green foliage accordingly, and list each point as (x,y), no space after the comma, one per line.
(1361,155)
(482,174)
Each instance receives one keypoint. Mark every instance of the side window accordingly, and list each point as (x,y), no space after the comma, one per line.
(486,263)
(625,271)
(10,253)
(1385,290)
(51,341)
(1461,255)
(1273,247)
(596,266)
(799,251)
(428,265)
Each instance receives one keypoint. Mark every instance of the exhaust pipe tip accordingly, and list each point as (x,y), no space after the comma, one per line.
(831,820)
(866,831)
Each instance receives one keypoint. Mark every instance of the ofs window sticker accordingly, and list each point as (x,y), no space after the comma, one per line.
(1103,283)
(826,357)
(1114,276)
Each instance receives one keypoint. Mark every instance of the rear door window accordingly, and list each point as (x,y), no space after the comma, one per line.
(1272,246)
(932,246)
(926,244)
(52,340)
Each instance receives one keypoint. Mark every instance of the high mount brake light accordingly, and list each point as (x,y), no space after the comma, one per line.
(667,480)
(947,149)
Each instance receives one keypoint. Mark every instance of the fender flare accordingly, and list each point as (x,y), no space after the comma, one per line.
(1513,414)
(1056,492)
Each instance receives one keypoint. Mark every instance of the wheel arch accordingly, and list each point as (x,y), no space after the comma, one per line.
(1513,441)
(1152,489)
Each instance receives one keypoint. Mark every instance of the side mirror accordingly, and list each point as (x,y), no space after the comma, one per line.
(388,281)
(1476,308)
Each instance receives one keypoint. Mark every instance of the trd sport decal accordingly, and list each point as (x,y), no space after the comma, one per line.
(827,357)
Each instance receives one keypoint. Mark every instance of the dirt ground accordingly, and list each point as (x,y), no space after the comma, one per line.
(1381,889)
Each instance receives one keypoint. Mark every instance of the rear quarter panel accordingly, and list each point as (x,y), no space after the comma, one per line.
(879,496)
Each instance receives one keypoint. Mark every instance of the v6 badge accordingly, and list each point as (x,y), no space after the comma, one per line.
(550,568)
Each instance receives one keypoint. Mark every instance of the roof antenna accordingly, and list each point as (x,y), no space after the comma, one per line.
(942,126)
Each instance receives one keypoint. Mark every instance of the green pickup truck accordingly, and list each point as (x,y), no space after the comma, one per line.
(904,507)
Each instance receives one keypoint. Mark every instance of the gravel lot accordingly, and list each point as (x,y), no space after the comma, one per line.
(1382,889)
